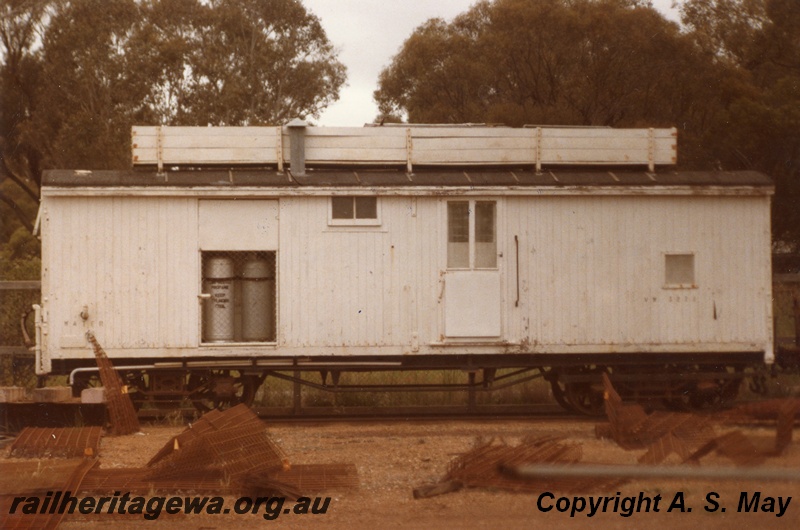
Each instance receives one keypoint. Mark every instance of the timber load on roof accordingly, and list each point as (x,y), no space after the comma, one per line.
(407,146)
(299,157)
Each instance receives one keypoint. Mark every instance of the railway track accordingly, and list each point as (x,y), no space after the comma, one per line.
(546,412)
(16,416)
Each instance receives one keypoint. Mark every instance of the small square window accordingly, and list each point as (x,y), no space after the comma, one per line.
(354,211)
(679,270)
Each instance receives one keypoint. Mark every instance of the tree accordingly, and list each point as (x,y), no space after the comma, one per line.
(761,127)
(20,25)
(103,65)
(604,62)
(239,62)
(728,80)
(93,89)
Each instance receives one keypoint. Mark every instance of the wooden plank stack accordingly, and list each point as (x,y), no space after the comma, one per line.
(409,146)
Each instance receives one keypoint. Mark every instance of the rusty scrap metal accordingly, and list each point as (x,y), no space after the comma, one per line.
(31,476)
(733,445)
(68,442)
(661,433)
(785,424)
(234,441)
(224,452)
(121,412)
(633,428)
(668,444)
(141,481)
(483,466)
(784,411)
(691,436)
(769,409)
(69,482)
(301,478)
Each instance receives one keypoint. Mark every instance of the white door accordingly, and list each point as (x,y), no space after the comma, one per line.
(472,293)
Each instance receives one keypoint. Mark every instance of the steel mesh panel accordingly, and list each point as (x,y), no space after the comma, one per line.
(483,467)
(67,479)
(68,442)
(118,403)
(141,481)
(234,441)
(632,428)
(35,475)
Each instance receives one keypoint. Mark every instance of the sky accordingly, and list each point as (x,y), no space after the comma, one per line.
(368,33)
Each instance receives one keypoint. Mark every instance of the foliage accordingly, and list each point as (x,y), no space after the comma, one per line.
(729,79)
(546,62)
(18,261)
(76,74)
(761,127)
(238,62)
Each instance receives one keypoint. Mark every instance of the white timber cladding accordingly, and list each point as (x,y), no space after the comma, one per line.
(591,276)
(130,262)
(407,146)
(592,271)
(238,224)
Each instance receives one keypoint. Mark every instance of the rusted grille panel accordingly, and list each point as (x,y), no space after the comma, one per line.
(68,442)
(235,441)
(483,467)
(35,475)
(784,411)
(692,436)
(662,433)
(69,482)
(303,478)
(733,445)
(120,407)
(663,447)
(194,431)
(141,481)
(769,409)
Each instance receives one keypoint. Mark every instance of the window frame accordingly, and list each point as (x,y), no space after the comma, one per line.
(354,221)
(472,234)
(666,284)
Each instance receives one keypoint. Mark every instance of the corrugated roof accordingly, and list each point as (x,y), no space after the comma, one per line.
(393,179)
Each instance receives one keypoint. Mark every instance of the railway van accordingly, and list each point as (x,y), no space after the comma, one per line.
(228,255)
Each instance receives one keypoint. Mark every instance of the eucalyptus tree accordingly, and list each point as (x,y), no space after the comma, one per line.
(76,74)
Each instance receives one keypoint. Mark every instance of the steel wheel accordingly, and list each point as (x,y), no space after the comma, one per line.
(221,389)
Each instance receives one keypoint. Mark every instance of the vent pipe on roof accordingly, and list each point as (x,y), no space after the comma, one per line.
(297,147)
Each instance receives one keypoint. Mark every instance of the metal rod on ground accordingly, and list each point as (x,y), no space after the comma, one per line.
(634,472)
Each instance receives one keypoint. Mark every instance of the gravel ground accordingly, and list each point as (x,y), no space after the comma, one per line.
(393,458)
